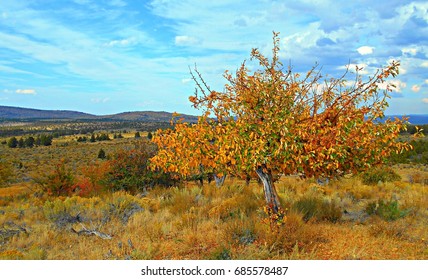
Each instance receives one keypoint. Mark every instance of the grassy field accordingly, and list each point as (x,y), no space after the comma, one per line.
(344,219)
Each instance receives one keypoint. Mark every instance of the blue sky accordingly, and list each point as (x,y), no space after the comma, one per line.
(110,56)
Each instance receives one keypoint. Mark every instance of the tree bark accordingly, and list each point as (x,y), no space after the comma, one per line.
(219,181)
(271,195)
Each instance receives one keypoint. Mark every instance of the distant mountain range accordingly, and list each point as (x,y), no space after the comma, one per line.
(414,119)
(17,113)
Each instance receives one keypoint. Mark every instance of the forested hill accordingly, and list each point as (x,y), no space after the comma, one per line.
(7,112)
(16,113)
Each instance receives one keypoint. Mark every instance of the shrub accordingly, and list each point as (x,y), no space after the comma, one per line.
(59,181)
(94,176)
(43,140)
(318,208)
(102,137)
(383,174)
(12,143)
(101,154)
(129,170)
(64,212)
(123,206)
(6,173)
(29,142)
(387,210)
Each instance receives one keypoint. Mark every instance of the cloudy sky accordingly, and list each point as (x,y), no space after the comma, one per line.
(109,56)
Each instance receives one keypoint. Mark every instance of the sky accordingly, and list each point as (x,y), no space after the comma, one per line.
(111,56)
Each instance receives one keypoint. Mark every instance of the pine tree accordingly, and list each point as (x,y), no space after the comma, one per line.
(12,143)
(29,142)
(150,135)
(101,154)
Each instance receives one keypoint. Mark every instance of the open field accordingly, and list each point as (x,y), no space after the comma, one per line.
(343,219)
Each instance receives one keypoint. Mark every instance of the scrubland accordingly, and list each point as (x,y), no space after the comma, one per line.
(340,219)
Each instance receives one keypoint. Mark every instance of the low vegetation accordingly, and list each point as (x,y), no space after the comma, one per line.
(63,202)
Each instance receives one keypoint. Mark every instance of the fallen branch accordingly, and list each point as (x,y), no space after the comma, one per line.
(88,232)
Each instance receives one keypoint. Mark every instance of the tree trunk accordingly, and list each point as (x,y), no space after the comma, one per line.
(247,180)
(201,181)
(271,196)
(219,181)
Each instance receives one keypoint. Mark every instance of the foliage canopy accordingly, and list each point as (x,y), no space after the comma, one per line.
(274,120)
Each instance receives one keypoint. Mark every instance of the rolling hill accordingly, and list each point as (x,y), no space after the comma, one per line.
(7,112)
(17,113)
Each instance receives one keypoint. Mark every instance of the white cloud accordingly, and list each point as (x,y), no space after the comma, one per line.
(411,51)
(425,100)
(26,91)
(424,64)
(186,40)
(121,43)
(426,81)
(365,50)
(395,85)
(100,100)
(103,52)
(416,88)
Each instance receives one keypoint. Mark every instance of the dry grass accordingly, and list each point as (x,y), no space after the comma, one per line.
(211,223)
(193,222)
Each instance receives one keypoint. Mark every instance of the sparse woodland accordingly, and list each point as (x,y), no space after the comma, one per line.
(278,166)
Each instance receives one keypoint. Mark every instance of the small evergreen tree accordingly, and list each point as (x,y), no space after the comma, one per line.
(38,141)
(137,135)
(150,135)
(101,154)
(12,143)
(46,140)
(21,143)
(29,142)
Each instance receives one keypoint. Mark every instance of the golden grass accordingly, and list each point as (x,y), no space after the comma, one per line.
(194,222)
(214,223)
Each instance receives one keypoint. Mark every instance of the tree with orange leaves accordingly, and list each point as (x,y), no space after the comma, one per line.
(276,121)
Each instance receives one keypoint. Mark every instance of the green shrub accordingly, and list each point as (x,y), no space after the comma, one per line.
(101,154)
(129,170)
(12,142)
(383,174)
(318,208)
(387,210)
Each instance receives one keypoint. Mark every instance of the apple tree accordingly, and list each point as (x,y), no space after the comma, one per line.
(273,120)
